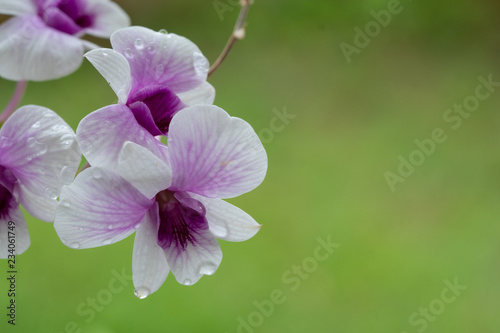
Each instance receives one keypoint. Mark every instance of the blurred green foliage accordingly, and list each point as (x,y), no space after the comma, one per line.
(326,178)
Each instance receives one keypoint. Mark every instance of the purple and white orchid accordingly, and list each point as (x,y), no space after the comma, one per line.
(170,196)
(42,42)
(155,74)
(38,155)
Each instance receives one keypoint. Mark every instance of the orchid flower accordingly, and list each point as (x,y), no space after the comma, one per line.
(42,42)
(38,155)
(170,197)
(155,74)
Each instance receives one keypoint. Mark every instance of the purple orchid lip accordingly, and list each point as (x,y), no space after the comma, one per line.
(7,182)
(67,16)
(154,106)
(179,222)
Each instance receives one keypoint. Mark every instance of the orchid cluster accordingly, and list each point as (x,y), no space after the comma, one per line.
(158,163)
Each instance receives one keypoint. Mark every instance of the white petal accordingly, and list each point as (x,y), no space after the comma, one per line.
(41,150)
(102,133)
(143,169)
(108,17)
(114,68)
(149,266)
(227,221)
(161,59)
(19,231)
(17,7)
(42,208)
(213,154)
(203,94)
(29,50)
(99,208)
(202,258)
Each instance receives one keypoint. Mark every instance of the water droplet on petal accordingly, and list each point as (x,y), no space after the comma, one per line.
(65,203)
(163,31)
(107,241)
(74,245)
(128,53)
(110,227)
(139,44)
(142,292)
(36,125)
(221,230)
(105,53)
(80,228)
(67,139)
(137,226)
(51,192)
(200,63)
(207,268)
(159,70)
(187,282)
(152,48)
(96,173)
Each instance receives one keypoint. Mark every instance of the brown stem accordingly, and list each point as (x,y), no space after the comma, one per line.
(238,34)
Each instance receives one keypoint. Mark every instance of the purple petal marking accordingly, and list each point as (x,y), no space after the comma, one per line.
(180,222)
(158,104)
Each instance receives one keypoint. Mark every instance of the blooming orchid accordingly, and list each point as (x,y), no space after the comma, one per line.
(42,42)
(171,196)
(38,155)
(155,74)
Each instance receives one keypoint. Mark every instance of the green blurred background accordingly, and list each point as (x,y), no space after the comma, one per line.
(326,179)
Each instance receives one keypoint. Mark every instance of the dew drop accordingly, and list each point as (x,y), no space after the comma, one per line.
(80,229)
(110,227)
(163,31)
(142,292)
(159,70)
(105,53)
(151,48)
(200,63)
(51,192)
(187,282)
(221,230)
(74,245)
(128,53)
(67,139)
(207,268)
(139,44)
(107,241)
(137,226)
(36,125)
(65,203)
(96,173)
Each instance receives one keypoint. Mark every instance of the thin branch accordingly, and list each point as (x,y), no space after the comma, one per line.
(14,101)
(238,34)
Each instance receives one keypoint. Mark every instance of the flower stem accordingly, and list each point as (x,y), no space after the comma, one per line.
(14,101)
(238,34)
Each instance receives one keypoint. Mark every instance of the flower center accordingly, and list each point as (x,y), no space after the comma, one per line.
(7,181)
(182,218)
(67,16)
(154,107)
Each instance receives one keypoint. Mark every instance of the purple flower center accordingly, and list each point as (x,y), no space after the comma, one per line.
(7,181)
(182,218)
(67,16)
(154,107)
